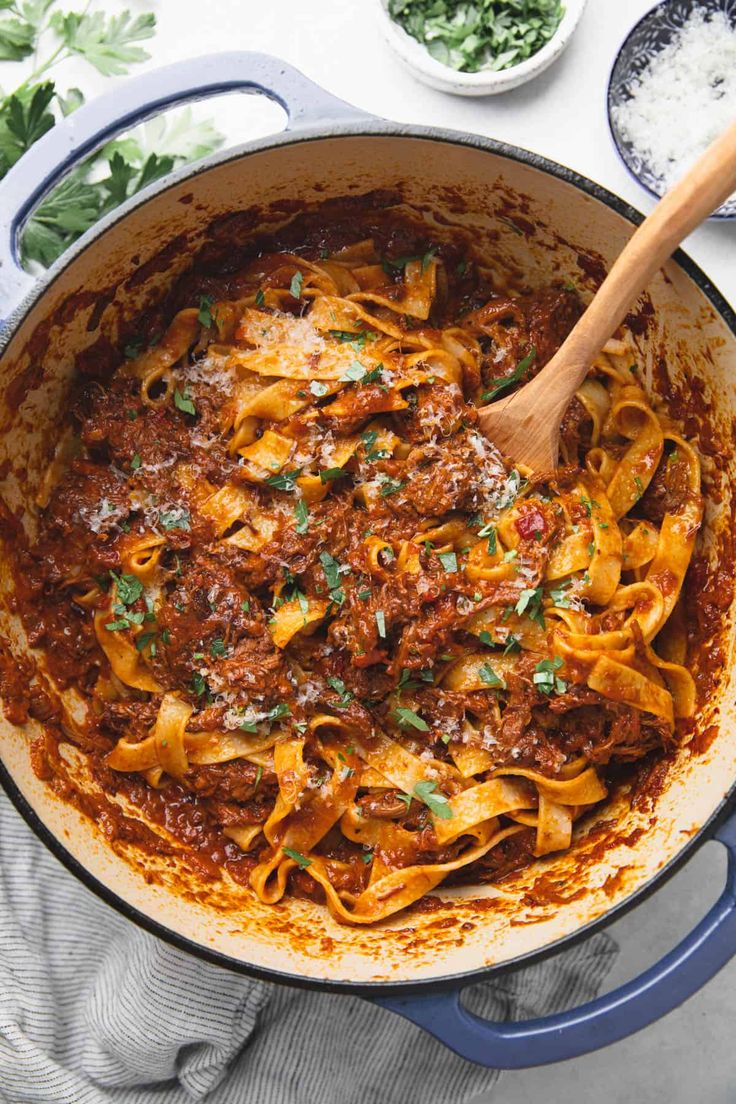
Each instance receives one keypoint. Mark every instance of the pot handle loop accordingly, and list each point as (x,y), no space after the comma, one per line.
(81,133)
(614,1016)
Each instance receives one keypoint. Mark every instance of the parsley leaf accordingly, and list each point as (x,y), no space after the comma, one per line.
(436,802)
(530,602)
(496,386)
(407,718)
(448,561)
(295,287)
(177,517)
(381,623)
(331,474)
(490,678)
(106,42)
(546,680)
(301,860)
(301,512)
(183,401)
(128,588)
(472,37)
(284,481)
(346,696)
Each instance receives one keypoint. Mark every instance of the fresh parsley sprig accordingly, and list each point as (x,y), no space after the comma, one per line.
(111,44)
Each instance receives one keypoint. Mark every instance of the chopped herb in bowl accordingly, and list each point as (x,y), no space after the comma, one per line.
(481,35)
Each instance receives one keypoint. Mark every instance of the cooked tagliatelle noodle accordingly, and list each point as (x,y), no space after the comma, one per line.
(328,637)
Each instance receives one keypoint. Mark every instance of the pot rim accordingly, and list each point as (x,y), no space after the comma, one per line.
(357,129)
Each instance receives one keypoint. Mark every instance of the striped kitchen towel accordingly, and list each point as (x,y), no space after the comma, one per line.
(95,1011)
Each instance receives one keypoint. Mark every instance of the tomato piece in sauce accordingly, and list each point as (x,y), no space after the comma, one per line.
(531,522)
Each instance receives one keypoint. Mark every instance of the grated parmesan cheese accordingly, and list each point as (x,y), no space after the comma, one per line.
(684,98)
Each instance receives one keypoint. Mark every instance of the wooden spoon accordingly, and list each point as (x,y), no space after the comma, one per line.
(526,424)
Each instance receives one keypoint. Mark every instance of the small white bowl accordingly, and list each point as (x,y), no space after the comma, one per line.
(486,83)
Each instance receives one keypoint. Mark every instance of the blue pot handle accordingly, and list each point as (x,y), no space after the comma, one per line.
(80,134)
(605,1020)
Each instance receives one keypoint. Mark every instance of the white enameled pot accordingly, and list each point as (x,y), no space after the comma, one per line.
(419,961)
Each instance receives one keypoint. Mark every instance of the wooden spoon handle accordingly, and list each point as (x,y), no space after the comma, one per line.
(708,183)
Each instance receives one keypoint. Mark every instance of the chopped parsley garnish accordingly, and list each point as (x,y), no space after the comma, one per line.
(346,696)
(259,776)
(589,504)
(560,596)
(183,401)
(245,605)
(144,640)
(135,463)
(530,602)
(437,803)
(407,718)
(513,644)
(398,264)
(330,474)
(591,549)
(391,486)
(301,860)
(490,532)
(205,310)
(276,714)
(131,351)
(331,568)
(218,647)
(358,373)
(356,339)
(301,513)
(448,561)
(128,588)
(284,481)
(381,623)
(177,517)
(368,440)
(366,857)
(639,487)
(496,386)
(295,287)
(199,686)
(260,298)
(318,389)
(485,637)
(545,678)
(490,678)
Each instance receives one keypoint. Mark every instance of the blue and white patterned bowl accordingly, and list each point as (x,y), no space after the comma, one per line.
(650,35)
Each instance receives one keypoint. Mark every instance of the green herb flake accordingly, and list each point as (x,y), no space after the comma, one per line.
(381,623)
(135,463)
(301,860)
(407,718)
(497,386)
(301,513)
(331,474)
(490,678)
(284,481)
(295,287)
(176,518)
(448,561)
(183,401)
(318,389)
(545,677)
(204,315)
(436,802)
(260,298)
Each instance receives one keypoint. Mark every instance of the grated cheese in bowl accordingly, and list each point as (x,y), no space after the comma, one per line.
(681,101)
